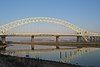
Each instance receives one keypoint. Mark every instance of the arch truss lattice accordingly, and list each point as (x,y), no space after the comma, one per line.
(11,25)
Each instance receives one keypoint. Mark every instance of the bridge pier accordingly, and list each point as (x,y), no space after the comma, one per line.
(32,40)
(98,39)
(79,38)
(91,39)
(94,39)
(57,41)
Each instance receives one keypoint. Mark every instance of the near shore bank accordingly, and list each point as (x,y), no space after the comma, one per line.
(12,61)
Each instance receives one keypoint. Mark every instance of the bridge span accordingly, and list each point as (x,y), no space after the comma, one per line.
(79,42)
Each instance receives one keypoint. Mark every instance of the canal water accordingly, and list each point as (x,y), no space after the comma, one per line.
(83,56)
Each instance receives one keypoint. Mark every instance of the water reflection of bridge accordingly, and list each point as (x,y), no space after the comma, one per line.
(62,55)
(78,52)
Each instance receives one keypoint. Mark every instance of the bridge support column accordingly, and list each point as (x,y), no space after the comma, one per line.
(32,40)
(79,38)
(3,39)
(94,39)
(98,39)
(57,41)
(91,39)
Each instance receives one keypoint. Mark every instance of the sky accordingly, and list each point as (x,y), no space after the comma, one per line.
(83,13)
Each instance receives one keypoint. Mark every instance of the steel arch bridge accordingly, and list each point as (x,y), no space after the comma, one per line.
(85,34)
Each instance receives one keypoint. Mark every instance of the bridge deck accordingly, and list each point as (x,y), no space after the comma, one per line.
(42,34)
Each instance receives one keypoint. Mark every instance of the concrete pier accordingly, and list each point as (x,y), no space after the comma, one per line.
(79,38)
(57,41)
(32,40)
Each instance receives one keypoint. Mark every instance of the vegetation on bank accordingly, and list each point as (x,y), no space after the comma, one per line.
(11,61)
